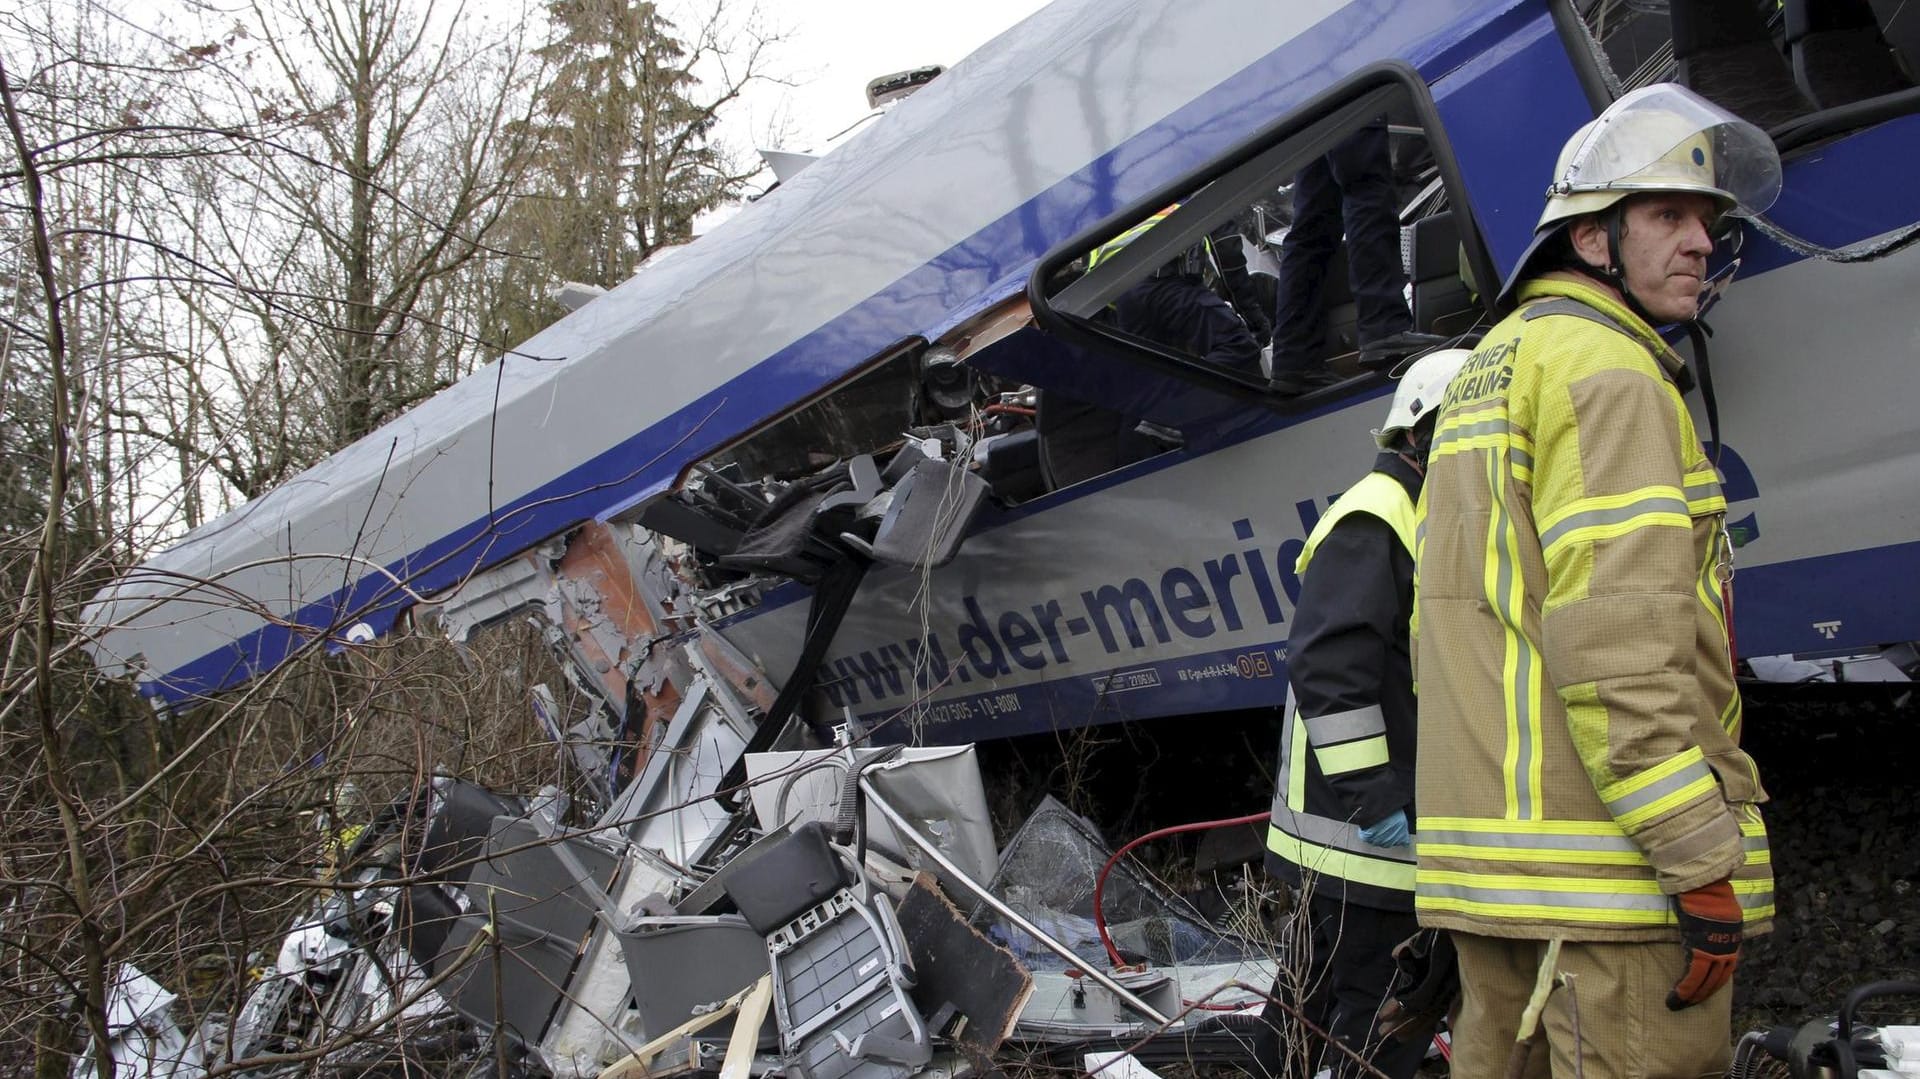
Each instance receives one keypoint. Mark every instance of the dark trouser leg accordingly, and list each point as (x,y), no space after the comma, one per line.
(1363,169)
(1360,971)
(1185,314)
(1339,987)
(1283,1048)
(1300,318)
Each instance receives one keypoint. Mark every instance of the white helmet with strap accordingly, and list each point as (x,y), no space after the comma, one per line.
(1662,137)
(1422,387)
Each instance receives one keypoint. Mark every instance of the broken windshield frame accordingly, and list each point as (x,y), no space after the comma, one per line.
(1066,305)
(1623,49)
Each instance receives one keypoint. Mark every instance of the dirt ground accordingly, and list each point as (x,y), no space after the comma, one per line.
(1843,821)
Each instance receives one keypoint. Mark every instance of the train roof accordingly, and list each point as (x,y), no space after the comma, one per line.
(931,215)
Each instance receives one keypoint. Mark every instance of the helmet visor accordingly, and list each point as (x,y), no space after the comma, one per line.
(1666,138)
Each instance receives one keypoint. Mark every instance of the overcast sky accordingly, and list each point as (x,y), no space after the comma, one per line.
(834,47)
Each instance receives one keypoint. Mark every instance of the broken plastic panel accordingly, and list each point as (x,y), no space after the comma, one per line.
(938,789)
(928,515)
(680,966)
(538,913)
(840,965)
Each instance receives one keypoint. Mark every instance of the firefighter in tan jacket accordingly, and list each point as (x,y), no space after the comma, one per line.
(1580,778)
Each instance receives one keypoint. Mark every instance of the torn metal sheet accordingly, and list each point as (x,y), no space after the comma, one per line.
(938,789)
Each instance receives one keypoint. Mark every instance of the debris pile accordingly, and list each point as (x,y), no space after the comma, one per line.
(815,928)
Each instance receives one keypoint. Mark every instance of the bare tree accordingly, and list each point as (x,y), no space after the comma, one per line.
(224,251)
(404,123)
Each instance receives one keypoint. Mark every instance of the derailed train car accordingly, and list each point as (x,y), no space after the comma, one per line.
(875,450)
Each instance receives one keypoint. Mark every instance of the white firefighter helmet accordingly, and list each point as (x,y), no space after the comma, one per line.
(1662,137)
(1422,387)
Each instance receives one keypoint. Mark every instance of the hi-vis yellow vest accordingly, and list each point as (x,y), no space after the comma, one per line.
(1113,247)
(1197,259)
(1312,837)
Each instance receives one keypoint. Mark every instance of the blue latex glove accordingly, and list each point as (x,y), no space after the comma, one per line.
(1388,832)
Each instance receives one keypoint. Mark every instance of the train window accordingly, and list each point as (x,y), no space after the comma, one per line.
(888,463)
(1300,267)
(1802,69)
(865,413)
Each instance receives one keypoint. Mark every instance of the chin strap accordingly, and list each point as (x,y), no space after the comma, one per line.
(1698,332)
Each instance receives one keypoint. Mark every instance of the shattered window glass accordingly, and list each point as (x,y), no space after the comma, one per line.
(1047,873)
(1772,63)
(864,415)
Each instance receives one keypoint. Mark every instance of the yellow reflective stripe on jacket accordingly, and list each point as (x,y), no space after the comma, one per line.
(1345,864)
(1554,874)
(1521,461)
(1522,672)
(1480,428)
(1653,791)
(1704,495)
(1568,899)
(1351,756)
(1571,842)
(1346,726)
(1349,741)
(1603,517)
(1708,585)
(1378,494)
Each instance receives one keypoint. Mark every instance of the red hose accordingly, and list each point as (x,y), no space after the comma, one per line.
(1100,881)
(1100,886)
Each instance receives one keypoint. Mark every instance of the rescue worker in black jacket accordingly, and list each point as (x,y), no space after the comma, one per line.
(1339,831)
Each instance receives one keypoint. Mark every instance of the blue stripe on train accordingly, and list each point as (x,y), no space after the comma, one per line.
(1859,596)
(998,254)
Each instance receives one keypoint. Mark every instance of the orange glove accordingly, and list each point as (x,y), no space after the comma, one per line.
(1710,929)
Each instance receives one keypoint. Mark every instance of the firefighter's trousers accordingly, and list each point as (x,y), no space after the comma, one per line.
(1606,1018)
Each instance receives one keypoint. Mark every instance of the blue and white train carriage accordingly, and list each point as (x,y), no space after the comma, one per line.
(886,393)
